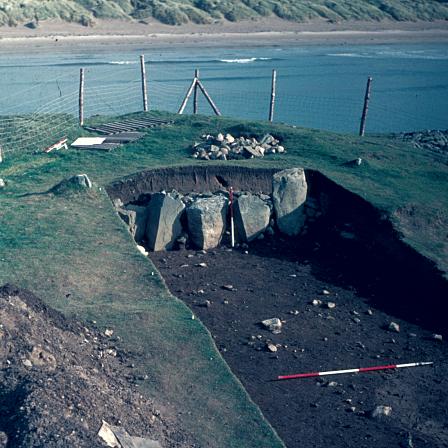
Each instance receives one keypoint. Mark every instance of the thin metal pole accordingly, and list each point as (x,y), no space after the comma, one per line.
(187,96)
(212,104)
(81,97)
(273,88)
(144,88)
(195,95)
(362,128)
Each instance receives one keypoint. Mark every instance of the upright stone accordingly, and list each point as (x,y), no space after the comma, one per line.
(136,217)
(289,190)
(163,226)
(251,217)
(206,221)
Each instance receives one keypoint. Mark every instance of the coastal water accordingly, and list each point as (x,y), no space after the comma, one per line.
(317,86)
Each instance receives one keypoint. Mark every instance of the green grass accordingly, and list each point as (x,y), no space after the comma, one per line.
(74,243)
(177,12)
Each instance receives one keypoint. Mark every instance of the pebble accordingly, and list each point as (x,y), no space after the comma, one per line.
(325,292)
(393,326)
(331,305)
(202,265)
(356,320)
(316,302)
(437,337)
(2,183)
(271,347)
(108,332)
(274,324)
(381,411)
(227,287)
(369,312)
(27,363)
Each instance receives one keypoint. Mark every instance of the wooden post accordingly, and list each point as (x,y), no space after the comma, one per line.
(187,96)
(365,109)
(273,86)
(212,104)
(195,96)
(144,88)
(81,97)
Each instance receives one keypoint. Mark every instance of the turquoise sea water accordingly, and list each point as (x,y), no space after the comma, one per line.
(317,86)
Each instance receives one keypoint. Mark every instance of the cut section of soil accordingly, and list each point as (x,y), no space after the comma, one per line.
(59,380)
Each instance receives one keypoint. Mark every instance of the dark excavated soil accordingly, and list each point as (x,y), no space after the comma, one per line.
(77,378)
(279,278)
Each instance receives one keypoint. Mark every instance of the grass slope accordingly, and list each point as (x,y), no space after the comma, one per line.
(176,12)
(75,244)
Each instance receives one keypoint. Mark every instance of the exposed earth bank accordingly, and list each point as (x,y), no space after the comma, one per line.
(61,378)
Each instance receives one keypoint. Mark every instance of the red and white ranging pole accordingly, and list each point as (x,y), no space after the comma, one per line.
(232,228)
(359,370)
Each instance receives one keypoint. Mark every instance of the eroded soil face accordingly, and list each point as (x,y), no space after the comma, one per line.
(280,278)
(59,380)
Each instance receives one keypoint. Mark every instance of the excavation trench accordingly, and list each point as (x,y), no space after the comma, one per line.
(371,276)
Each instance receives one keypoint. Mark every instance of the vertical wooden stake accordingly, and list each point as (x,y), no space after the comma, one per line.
(81,97)
(362,128)
(195,95)
(144,88)
(273,87)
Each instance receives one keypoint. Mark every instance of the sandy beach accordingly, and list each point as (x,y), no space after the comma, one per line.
(109,35)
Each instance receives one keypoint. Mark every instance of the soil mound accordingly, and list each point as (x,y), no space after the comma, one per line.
(59,380)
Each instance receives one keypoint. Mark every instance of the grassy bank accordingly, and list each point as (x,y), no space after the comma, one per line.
(74,252)
(177,12)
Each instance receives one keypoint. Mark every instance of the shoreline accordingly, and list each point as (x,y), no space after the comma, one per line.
(111,35)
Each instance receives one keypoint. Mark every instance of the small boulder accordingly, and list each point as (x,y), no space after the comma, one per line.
(2,183)
(274,325)
(381,412)
(393,326)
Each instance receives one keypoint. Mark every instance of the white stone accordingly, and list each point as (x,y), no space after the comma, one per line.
(274,324)
(382,411)
(393,326)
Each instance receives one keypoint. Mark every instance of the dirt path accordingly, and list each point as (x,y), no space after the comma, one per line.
(280,278)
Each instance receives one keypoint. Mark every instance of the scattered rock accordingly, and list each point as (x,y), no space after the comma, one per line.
(437,337)
(229,147)
(3,439)
(227,287)
(271,347)
(331,305)
(108,332)
(325,292)
(2,183)
(381,411)
(202,265)
(27,363)
(289,190)
(274,325)
(393,326)
(316,302)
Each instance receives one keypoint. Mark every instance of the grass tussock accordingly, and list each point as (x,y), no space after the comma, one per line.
(178,12)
